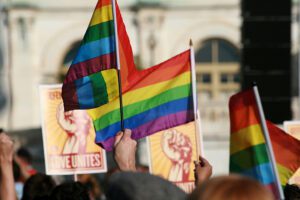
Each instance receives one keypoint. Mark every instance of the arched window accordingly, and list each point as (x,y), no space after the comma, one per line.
(217,66)
(67,61)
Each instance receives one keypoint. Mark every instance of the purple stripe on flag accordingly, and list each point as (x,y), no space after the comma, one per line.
(154,126)
(91,66)
(162,123)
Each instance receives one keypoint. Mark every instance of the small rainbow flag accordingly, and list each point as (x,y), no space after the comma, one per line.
(248,150)
(92,78)
(156,99)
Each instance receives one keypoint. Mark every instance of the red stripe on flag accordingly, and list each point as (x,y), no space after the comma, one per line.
(102,3)
(286,148)
(243,110)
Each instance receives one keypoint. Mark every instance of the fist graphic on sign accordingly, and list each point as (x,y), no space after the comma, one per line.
(76,124)
(178,148)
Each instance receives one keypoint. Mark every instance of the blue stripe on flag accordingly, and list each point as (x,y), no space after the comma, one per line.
(262,173)
(145,117)
(85,93)
(95,49)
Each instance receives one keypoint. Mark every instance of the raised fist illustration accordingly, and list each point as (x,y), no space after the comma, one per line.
(77,124)
(178,148)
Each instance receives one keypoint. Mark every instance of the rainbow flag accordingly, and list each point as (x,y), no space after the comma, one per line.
(248,149)
(92,78)
(287,152)
(155,99)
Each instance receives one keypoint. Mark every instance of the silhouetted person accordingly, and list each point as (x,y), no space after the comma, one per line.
(292,192)
(70,191)
(38,186)
(24,160)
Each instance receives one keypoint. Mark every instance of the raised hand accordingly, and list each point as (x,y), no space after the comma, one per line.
(124,151)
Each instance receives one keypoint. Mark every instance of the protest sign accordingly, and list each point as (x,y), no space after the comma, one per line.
(68,138)
(171,155)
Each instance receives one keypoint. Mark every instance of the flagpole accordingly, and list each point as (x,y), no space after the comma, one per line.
(198,126)
(268,140)
(113,2)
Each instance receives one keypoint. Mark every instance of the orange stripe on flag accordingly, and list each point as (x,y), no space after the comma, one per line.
(243,118)
(162,72)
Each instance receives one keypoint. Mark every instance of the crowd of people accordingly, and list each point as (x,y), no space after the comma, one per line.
(18,180)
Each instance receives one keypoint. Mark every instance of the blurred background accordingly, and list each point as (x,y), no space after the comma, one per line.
(236,42)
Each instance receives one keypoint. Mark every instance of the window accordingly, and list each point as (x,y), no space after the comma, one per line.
(217,67)
(217,50)
(204,78)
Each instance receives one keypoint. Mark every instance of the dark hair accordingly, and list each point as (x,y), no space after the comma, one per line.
(16,171)
(291,192)
(37,186)
(141,186)
(25,154)
(70,191)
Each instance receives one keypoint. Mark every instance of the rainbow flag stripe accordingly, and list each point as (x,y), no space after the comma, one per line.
(248,151)
(156,99)
(92,78)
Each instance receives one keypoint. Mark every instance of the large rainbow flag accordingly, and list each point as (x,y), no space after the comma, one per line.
(92,78)
(154,99)
(157,98)
(248,150)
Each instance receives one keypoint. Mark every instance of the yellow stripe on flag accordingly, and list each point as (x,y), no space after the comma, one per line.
(284,174)
(111,80)
(246,137)
(141,94)
(101,15)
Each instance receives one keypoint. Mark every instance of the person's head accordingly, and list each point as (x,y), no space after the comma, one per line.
(38,185)
(16,171)
(232,187)
(141,186)
(291,192)
(91,184)
(70,191)
(25,155)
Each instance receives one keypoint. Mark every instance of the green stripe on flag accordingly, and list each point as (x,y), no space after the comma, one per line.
(99,31)
(99,86)
(139,107)
(248,158)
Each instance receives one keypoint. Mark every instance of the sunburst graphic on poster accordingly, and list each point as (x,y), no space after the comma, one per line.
(172,152)
(68,137)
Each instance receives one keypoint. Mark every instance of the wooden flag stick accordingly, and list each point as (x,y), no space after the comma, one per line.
(75,177)
(268,140)
(113,2)
(198,126)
